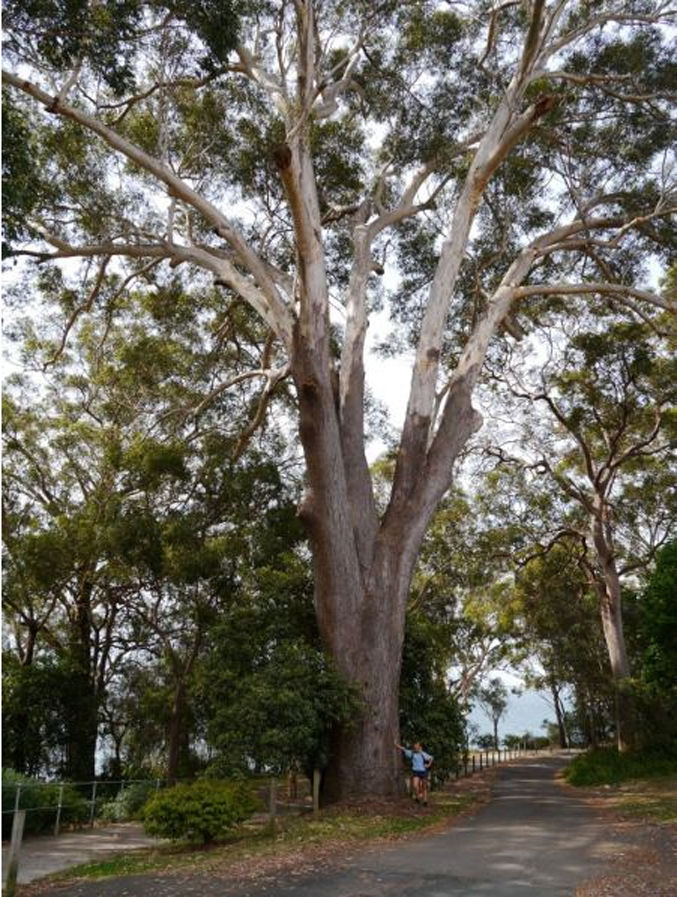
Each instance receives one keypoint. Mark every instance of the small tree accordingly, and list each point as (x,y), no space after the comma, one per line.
(493,699)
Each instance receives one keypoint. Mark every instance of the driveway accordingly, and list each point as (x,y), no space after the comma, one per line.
(45,854)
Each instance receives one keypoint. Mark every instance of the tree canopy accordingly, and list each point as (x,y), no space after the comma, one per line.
(463,166)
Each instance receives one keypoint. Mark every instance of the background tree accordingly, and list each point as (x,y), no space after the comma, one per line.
(558,617)
(117,514)
(657,643)
(607,443)
(493,699)
(477,111)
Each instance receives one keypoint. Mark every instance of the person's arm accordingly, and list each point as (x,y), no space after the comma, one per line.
(400,746)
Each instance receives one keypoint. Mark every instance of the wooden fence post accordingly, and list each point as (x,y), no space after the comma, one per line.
(272,811)
(316,792)
(14,851)
(92,812)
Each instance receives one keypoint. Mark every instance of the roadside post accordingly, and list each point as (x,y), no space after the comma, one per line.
(92,812)
(316,792)
(272,808)
(58,812)
(14,851)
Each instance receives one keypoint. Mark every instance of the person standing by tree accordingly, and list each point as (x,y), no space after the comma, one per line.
(420,765)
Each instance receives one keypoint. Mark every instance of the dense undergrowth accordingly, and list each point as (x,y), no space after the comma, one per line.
(606,766)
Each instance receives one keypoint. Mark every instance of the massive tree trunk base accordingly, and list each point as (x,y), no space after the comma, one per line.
(363,759)
(363,763)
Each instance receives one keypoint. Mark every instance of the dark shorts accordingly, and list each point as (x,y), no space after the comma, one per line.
(420,775)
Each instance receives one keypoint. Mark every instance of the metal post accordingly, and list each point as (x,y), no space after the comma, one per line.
(316,792)
(14,851)
(92,812)
(58,811)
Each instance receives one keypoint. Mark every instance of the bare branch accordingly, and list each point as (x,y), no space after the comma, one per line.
(603,288)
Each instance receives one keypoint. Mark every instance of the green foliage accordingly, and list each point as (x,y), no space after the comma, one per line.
(658,609)
(609,767)
(428,712)
(40,800)
(203,811)
(128,803)
(653,617)
(34,718)
(20,173)
(65,31)
(278,710)
(215,22)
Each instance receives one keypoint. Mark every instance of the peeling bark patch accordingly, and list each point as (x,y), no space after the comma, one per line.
(282,156)
(432,355)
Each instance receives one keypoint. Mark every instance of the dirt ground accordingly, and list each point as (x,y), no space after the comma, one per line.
(646,869)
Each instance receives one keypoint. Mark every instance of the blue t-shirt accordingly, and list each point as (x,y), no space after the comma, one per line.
(418,759)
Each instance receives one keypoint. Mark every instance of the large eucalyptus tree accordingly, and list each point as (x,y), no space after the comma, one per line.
(293,151)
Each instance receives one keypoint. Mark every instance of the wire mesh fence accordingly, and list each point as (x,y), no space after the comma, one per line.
(51,806)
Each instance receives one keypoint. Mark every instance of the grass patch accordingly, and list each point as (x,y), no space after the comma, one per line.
(655,799)
(609,767)
(292,835)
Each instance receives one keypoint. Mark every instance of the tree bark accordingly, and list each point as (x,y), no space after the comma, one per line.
(175,732)
(563,741)
(609,589)
(82,724)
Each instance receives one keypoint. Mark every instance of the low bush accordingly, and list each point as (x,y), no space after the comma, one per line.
(40,800)
(128,803)
(606,766)
(202,811)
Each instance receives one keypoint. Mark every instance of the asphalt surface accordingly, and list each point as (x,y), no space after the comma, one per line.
(533,837)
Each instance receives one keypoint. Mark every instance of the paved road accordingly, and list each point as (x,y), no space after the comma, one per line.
(532,838)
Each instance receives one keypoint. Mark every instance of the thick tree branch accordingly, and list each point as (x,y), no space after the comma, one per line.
(277,312)
(610,289)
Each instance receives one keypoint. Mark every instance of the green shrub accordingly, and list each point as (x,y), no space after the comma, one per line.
(607,766)
(40,800)
(128,803)
(202,811)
